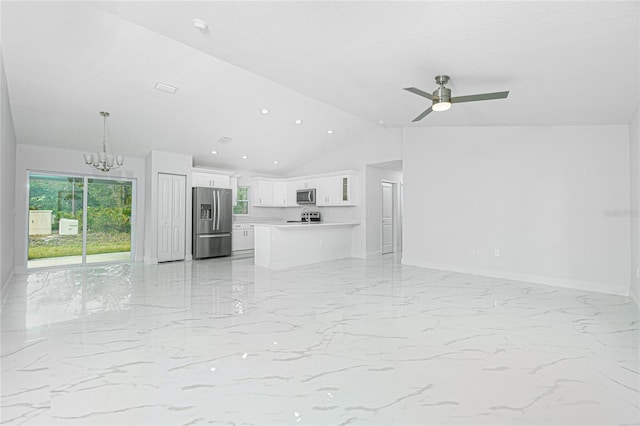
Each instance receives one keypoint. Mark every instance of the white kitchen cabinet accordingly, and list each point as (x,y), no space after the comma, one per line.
(273,193)
(334,191)
(280,194)
(331,190)
(305,183)
(292,187)
(211,180)
(172,207)
(242,238)
(263,193)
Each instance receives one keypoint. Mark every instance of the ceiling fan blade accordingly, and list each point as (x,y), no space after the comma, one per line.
(423,115)
(480,97)
(419,92)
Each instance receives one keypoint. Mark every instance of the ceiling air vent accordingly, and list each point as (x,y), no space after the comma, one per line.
(224,140)
(164,87)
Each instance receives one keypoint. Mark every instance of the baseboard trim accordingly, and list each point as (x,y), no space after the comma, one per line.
(594,286)
(4,290)
(634,297)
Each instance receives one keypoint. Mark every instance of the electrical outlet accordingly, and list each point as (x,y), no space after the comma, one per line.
(496,252)
(472,250)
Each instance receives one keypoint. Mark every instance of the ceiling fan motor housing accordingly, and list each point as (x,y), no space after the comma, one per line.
(442,94)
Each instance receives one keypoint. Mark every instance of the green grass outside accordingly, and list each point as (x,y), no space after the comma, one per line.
(45,246)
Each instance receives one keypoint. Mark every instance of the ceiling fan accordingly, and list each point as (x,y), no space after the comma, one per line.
(442,100)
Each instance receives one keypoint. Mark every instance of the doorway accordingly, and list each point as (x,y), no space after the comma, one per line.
(77,220)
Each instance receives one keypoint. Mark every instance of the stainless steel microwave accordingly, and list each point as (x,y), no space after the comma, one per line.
(306,196)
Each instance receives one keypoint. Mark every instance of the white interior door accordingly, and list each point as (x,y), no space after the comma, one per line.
(171,217)
(178,220)
(387,217)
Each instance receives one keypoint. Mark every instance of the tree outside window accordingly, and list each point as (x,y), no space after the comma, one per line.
(242,201)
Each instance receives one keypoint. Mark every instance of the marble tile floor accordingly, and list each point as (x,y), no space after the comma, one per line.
(349,342)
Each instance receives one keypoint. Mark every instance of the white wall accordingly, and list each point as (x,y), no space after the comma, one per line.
(171,163)
(375,176)
(634,168)
(7,183)
(64,161)
(538,194)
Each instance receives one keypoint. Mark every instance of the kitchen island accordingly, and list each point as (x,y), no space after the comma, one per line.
(284,245)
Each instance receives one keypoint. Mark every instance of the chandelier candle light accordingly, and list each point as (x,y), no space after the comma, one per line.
(101,160)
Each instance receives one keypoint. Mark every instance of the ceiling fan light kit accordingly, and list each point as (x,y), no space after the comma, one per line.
(441,99)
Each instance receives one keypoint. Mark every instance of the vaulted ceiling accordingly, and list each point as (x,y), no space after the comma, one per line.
(337,66)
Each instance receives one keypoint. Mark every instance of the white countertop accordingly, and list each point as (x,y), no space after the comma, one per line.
(301,225)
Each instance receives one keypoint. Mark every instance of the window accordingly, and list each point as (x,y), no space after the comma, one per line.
(242,201)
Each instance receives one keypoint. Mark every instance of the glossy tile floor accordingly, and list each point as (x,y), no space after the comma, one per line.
(349,342)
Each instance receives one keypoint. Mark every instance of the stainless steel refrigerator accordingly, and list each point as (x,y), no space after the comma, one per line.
(212,217)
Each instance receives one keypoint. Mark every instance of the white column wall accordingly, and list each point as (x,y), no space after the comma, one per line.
(171,163)
(7,183)
(551,199)
(634,167)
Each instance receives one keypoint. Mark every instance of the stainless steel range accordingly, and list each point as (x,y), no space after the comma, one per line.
(308,217)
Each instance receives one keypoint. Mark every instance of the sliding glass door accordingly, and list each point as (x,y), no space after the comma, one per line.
(74,220)
(108,220)
(55,220)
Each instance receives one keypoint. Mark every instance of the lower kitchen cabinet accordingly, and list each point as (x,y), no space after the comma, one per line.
(242,238)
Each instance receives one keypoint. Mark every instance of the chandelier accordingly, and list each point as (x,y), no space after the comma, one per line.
(101,160)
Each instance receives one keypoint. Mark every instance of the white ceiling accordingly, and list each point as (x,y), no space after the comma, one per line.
(339,65)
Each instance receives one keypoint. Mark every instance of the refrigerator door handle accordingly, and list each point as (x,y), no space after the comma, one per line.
(214,236)
(218,210)
(214,208)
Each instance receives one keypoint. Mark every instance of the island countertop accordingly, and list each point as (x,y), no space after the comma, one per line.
(310,225)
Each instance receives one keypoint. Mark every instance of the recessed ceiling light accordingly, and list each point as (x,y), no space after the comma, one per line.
(200,24)
(214,152)
(244,157)
(330,132)
(275,162)
(298,121)
(381,122)
(264,111)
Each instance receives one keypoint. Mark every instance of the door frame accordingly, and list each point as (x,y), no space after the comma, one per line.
(394,206)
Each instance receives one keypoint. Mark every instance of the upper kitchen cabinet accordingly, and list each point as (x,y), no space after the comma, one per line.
(334,191)
(273,193)
(212,179)
(263,193)
(331,190)
(305,183)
